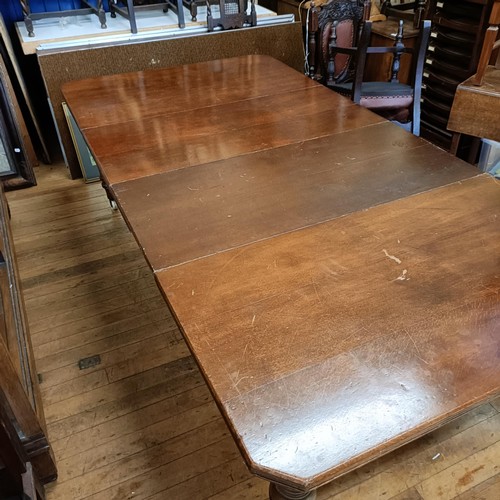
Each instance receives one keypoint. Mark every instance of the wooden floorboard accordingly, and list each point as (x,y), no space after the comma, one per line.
(65,350)
(142,422)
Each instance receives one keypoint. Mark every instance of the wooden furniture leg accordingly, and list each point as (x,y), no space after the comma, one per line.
(128,14)
(112,202)
(474,150)
(455,141)
(85,8)
(488,45)
(27,19)
(311,48)
(281,492)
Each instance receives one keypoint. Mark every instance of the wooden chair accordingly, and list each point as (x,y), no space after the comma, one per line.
(414,11)
(490,44)
(232,14)
(128,8)
(350,15)
(86,7)
(396,101)
(477,100)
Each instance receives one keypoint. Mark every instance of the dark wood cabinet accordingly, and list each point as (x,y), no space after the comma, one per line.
(456,40)
(19,393)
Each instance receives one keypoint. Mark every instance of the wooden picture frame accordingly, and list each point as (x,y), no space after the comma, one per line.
(15,137)
(10,56)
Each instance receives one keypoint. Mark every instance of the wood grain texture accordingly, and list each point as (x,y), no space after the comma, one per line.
(165,397)
(200,113)
(476,109)
(144,147)
(326,282)
(230,203)
(284,42)
(114,99)
(331,345)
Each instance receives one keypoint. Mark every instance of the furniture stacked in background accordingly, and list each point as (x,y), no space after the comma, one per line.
(380,67)
(395,101)
(413,11)
(491,45)
(233,13)
(127,9)
(476,106)
(86,7)
(453,55)
(348,17)
(339,43)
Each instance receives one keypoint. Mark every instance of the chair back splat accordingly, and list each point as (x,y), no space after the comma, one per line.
(350,15)
(232,14)
(342,65)
(395,101)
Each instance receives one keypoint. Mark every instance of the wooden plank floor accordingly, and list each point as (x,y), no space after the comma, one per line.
(142,423)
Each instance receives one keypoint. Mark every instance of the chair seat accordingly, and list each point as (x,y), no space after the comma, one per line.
(381,95)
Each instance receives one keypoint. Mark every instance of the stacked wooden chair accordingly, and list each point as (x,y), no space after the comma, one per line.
(412,11)
(232,14)
(476,104)
(342,36)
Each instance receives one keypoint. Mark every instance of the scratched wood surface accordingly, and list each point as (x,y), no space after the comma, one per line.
(154,431)
(229,203)
(194,137)
(353,336)
(144,123)
(109,100)
(269,372)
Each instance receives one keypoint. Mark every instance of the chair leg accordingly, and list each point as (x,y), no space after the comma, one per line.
(455,141)
(474,150)
(415,123)
(406,126)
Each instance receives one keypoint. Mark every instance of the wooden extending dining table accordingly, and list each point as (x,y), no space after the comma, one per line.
(336,278)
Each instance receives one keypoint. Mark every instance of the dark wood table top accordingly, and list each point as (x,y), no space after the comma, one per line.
(190,213)
(202,135)
(336,278)
(332,345)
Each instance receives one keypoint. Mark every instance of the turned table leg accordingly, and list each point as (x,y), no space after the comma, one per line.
(280,492)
